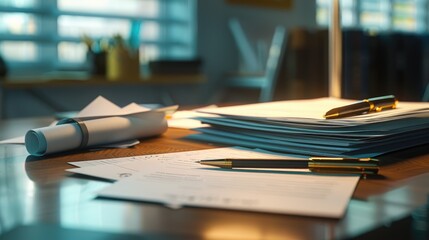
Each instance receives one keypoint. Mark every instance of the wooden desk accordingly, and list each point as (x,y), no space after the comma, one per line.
(40,191)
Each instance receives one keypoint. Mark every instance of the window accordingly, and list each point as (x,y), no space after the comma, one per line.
(379,15)
(47,35)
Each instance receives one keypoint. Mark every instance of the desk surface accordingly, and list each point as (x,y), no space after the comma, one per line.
(34,191)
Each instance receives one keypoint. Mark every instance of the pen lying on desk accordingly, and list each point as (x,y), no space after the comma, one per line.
(314,164)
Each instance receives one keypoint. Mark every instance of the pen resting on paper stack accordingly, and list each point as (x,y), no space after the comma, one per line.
(306,127)
(365,106)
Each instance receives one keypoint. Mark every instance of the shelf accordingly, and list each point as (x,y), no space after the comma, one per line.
(87,81)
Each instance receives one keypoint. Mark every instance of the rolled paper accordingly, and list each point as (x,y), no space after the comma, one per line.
(97,132)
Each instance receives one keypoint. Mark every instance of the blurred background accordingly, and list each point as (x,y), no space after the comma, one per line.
(58,55)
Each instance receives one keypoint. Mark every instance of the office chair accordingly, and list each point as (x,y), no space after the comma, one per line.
(265,82)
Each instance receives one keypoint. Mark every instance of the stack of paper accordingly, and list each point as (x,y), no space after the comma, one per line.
(298,127)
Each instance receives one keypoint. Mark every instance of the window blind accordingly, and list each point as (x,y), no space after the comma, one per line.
(44,35)
(379,15)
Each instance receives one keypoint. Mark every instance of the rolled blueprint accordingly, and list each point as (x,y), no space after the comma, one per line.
(76,134)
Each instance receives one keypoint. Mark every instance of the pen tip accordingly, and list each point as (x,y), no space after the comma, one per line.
(197,162)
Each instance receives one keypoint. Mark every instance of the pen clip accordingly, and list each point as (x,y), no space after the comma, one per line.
(387,106)
(341,160)
(344,165)
(347,170)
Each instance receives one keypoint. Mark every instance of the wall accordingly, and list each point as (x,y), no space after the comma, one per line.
(215,45)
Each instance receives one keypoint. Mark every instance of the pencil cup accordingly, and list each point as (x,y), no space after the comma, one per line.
(97,63)
(123,64)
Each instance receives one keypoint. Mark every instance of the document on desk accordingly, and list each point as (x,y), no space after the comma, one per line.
(118,168)
(311,111)
(309,195)
(176,180)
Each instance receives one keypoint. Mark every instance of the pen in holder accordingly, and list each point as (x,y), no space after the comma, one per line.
(96,55)
(97,63)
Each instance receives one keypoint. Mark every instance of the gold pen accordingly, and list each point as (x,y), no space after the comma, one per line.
(375,104)
(315,164)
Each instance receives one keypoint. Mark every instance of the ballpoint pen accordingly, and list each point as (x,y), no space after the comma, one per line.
(375,104)
(314,164)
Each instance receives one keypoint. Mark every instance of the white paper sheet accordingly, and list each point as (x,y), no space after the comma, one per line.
(307,108)
(310,195)
(186,119)
(313,110)
(21,139)
(16,140)
(101,107)
(117,168)
(179,181)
